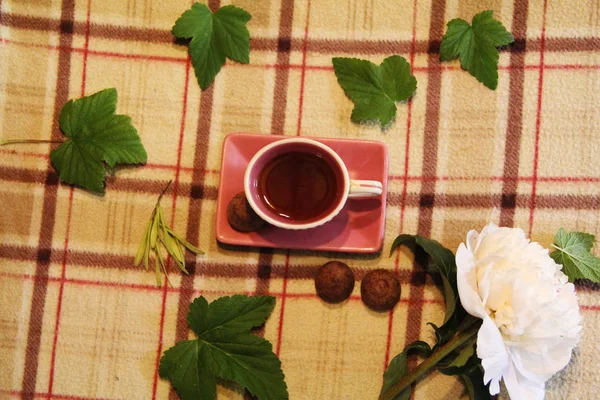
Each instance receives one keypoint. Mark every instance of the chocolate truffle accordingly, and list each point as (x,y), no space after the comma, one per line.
(380,290)
(334,282)
(241,216)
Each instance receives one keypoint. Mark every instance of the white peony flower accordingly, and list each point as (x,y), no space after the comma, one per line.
(531,319)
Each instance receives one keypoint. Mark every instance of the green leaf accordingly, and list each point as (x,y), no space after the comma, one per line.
(225,348)
(444,261)
(398,367)
(215,36)
(375,89)
(235,313)
(474,384)
(180,364)
(459,362)
(96,135)
(573,252)
(476,46)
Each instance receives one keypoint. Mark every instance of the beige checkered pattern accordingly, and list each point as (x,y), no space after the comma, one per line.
(78,321)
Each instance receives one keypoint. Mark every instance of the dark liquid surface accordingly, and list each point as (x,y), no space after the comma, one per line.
(300,186)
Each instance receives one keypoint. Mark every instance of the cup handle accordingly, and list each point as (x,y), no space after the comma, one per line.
(365,188)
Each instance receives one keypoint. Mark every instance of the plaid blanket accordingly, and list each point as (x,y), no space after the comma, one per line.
(78,321)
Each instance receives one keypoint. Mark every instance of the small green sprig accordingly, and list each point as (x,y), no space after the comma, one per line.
(158,233)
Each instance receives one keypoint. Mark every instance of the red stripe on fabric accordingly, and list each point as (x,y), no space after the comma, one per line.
(303,74)
(50,396)
(137,57)
(581,287)
(538,120)
(286,66)
(282,310)
(299,124)
(590,308)
(60,293)
(404,185)
(86,47)
(172,224)
(154,288)
(554,179)
(147,165)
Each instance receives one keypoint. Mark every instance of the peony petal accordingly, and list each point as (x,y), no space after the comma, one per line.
(520,388)
(537,367)
(492,351)
(467,283)
(472,241)
(494,387)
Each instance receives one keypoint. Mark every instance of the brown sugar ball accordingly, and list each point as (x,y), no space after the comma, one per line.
(334,282)
(241,216)
(380,290)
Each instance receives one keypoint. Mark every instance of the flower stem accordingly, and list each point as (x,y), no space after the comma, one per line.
(163,193)
(28,141)
(465,337)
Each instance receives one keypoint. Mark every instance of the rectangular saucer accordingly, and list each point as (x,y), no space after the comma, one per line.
(360,226)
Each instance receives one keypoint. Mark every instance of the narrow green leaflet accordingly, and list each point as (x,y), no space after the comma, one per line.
(375,89)
(96,135)
(215,36)
(476,44)
(225,348)
(398,367)
(573,251)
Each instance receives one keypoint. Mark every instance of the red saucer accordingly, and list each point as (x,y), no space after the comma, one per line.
(360,226)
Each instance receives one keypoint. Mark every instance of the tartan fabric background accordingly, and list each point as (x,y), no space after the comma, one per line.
(78,321)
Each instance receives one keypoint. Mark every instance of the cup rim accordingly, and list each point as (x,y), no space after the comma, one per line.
(328,217)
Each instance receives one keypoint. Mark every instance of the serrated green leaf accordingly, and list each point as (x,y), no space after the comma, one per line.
(573,252)
(96,135)
(490,29)
(215,36)
(246,359)
(180,364)
(476,46)
(225,348)
(232,313)
(398,367)
(375,89)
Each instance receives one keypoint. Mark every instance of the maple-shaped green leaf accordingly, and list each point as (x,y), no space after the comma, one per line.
(375,89)
(476,45)
(225,348)
(96,135)
(214,37)
(573,252)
